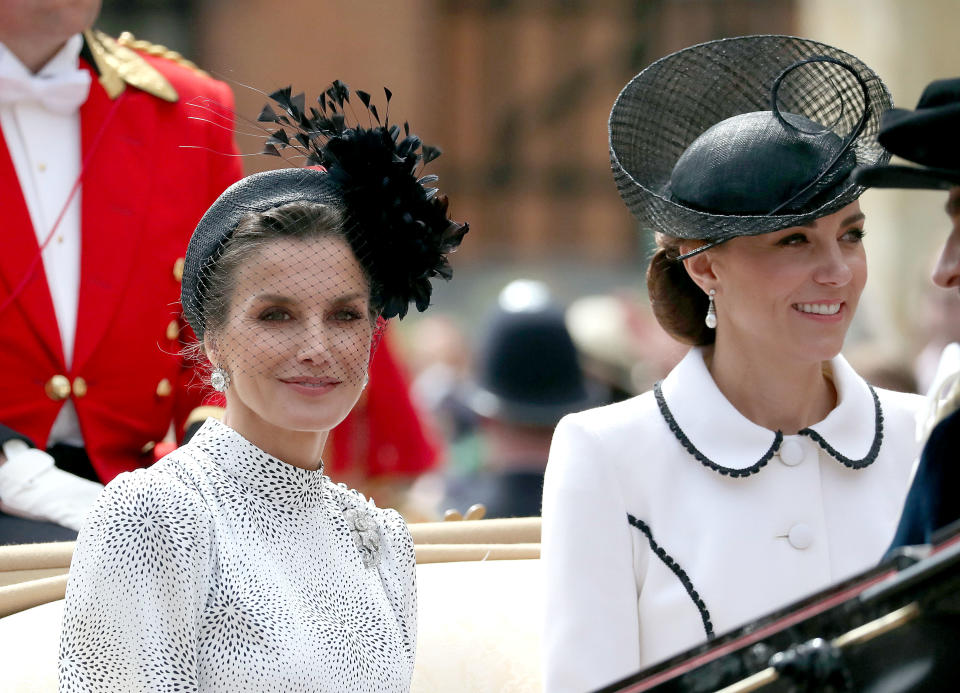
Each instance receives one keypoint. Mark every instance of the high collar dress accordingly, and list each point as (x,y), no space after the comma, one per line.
(222,568)
(670,518)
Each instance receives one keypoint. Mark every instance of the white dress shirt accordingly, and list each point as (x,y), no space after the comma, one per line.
(45,147)
(630,513)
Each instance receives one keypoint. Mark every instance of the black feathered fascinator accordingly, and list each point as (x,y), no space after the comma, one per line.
(744,136)
(397,225)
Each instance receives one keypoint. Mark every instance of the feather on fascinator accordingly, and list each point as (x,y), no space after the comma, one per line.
(397,221)
(397,225)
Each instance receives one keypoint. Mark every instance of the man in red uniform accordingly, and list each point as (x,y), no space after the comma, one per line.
(110,152)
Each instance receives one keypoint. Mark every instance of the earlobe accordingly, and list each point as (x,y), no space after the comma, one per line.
(210,349)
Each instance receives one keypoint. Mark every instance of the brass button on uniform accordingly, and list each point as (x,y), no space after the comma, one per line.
(79,387)
(148,447)
(57,388)
(178,269)
(164,388)
(173,330)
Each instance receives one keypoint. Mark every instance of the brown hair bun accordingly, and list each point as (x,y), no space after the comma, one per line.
(678,303)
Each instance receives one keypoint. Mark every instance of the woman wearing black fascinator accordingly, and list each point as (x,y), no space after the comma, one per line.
(234,563)
(762,468)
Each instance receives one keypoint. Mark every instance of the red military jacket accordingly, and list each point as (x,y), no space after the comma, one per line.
(156,168)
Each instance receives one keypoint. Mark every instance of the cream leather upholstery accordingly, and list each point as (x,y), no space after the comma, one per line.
(479,627)
(30,642)
(478,596)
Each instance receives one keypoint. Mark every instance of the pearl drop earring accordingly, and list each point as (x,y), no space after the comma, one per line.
(711,319)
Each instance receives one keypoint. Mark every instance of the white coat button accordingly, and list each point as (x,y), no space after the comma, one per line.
(800,536)
(791,452)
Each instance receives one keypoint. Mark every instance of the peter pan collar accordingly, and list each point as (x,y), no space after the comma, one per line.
(721,438)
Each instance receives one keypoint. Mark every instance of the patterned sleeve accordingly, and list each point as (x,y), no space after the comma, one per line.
(138,583)
(398,571)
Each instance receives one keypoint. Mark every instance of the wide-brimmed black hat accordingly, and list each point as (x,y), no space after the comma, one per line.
(777,123)
(928,135)
(528,371)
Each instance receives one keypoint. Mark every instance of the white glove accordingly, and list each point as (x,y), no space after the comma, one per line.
(33,488)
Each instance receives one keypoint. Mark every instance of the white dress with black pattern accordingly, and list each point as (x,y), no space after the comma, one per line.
(222,568)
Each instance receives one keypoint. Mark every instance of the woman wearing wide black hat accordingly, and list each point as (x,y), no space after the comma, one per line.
(234,563)
(762,468)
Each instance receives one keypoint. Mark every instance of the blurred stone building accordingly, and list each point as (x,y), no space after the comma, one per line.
(517,92)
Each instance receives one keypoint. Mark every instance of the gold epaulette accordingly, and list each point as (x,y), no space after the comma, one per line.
(118,66)
(130,41)
(203,413)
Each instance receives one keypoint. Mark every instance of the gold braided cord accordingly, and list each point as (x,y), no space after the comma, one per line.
(155,49)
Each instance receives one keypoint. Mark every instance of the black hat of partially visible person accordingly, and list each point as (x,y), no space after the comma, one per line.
(744,136)
(528,371)
(928,135)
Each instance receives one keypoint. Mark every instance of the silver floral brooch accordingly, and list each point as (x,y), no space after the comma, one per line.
(366,534)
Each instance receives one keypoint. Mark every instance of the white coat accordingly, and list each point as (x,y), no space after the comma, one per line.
(750,524)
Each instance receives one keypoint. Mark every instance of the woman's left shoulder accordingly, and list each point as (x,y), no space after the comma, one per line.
(352,498)
(398,558)
(899,404)
(855,388)
(392,522)
(901,412)
(392,528)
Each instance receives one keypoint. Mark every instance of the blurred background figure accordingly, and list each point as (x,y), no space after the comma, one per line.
(883,367)
(622,347)
(527,378)
(441,357)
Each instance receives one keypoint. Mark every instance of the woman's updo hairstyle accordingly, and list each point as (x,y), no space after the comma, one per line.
(677,302)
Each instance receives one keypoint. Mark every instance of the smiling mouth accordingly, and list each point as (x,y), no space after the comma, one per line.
(818,308)
(311,383)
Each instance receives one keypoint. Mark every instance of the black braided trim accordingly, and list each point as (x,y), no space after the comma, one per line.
(706,461)
(874,449)
(678,571)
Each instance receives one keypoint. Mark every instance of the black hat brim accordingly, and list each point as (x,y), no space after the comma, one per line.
(911,177)
(926,136)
